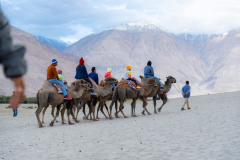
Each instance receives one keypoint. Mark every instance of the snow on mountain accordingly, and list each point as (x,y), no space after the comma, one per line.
(60,45)
(137,26)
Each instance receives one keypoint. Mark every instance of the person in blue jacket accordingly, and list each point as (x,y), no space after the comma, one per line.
(94,75)
(186,91)
(148,72)
(81,73)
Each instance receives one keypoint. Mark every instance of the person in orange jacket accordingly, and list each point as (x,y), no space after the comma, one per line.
(52,77)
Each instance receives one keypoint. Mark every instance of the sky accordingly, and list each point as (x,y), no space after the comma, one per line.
(71,20)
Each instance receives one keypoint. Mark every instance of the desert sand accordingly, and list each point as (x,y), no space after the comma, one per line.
(210,130)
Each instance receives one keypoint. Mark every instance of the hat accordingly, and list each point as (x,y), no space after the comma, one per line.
(128,67)
(149,63)
(109,70)
(54,61)
(13,92)
(59,71)
(81,61)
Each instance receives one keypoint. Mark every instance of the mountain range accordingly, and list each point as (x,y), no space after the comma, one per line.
(209,62)
(60,45)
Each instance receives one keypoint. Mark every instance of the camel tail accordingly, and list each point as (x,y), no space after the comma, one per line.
(114,97)
(37,99)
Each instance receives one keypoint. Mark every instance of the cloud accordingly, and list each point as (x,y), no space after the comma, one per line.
(79,31)
(72,20)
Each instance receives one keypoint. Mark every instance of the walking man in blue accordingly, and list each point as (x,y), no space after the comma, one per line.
(186,94)
(148,72)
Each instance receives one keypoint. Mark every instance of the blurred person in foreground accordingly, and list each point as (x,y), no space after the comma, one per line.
(12,59)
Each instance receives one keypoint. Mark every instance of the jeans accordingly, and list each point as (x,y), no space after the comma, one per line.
(55,81)
(15,112)
(160,85)
(133,81)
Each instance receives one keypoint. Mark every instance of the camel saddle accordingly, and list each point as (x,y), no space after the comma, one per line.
(127,83)
(132,84)
(58,88)
(152,81)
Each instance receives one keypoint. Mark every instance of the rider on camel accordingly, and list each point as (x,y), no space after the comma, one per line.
(148,72)
(52,77)
(81,73)
(128,75)
(108,74)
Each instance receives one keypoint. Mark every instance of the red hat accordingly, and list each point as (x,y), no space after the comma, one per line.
(13,92)
(81,61)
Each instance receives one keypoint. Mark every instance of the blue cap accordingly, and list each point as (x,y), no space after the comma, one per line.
(54,61)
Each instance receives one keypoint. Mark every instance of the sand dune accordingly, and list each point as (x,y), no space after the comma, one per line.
(210,130)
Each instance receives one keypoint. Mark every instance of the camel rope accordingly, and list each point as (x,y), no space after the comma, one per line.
(177,89)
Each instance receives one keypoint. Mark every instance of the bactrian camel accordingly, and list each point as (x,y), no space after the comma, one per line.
(154,90)
(103,93)
(49,95)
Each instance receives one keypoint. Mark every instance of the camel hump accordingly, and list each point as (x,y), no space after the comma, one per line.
(102,83)
(46,84)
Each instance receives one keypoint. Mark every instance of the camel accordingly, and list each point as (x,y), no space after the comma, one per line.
(103,93)
(122,92)
(49,95)
(154,90)
(102,103)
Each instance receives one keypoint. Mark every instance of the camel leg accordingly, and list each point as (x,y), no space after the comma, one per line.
(62,114)
(57,114)
(99,105)
(155,103)
(52,112)
(121,108)
(68,114)
(103,112)
(145,106)
(38,111)
(105,104)
(93,106)
(116,109)
(90,110)
(72,113)
(80,107)
(68,105)
(44,110)
(143,112)
(159,109)
(133,105)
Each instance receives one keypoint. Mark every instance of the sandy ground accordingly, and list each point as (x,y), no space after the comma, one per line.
(210,130)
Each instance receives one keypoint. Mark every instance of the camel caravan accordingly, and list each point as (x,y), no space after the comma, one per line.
(86,90)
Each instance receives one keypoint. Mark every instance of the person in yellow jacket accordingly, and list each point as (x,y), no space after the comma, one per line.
(128,75)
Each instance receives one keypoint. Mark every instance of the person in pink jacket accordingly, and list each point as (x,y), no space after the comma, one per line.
(108,74)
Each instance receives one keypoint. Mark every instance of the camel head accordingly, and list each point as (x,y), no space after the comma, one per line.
(111,80)
(171,79)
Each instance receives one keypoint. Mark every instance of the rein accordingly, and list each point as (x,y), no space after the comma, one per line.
(176,88)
